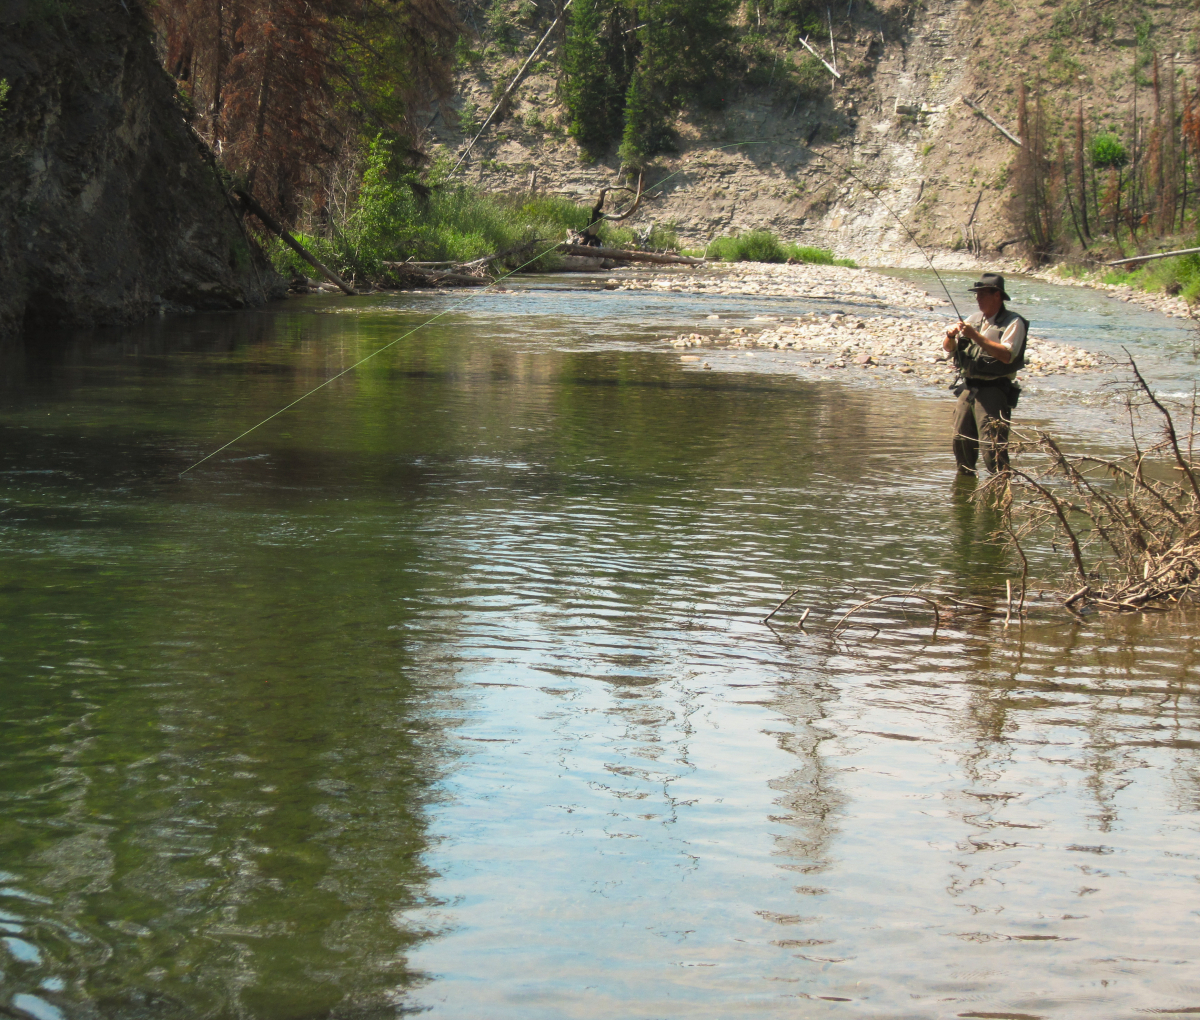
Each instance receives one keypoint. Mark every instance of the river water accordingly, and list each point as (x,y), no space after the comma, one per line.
(447,690)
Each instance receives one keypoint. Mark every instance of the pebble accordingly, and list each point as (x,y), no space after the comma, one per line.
(898,342)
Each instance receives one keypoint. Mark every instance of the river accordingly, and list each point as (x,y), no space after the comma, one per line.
(448,691)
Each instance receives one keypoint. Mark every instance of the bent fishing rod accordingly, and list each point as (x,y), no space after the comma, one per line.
(870,189)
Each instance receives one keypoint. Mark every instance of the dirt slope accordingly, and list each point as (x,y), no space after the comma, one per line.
(897,120)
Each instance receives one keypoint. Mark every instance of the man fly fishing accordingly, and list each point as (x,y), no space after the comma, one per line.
(989,350)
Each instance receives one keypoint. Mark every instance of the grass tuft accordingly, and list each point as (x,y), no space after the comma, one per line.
(764,246)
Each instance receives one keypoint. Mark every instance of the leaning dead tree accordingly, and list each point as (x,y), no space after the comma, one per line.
(590,234)
(1131,525)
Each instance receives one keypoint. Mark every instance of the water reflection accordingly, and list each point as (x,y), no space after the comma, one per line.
(450,692)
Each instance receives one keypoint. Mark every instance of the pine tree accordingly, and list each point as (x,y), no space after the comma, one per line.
(631,65)
(598,59)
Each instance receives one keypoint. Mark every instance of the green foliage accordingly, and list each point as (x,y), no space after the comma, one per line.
(764,246)
(793,18)
(3,95)
(629,66)
(1061,65)
(468,118)
(391,222)
(1179,275)
(810,80)
(1080,19)
(792,81)
(1107,152)
(598,62)
(658,237)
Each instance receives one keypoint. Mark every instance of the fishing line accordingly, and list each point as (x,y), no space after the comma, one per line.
(453,308)
(362,361)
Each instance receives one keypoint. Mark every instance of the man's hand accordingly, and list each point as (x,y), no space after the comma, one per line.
(990,347)
(950,344)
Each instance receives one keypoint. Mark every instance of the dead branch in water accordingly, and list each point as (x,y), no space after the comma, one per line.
(782,604)
(1140,528)
(910,594)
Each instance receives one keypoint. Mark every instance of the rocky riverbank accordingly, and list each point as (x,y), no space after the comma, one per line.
(908,345)
(1165,304)
(765,279)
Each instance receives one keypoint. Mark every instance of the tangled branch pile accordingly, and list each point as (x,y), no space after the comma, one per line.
(1132,529)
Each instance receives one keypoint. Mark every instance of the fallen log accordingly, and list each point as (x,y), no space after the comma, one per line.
(620,255)
(1156,255)
(273,224)
(435,277)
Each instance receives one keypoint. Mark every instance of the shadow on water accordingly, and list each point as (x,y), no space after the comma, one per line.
(449,691)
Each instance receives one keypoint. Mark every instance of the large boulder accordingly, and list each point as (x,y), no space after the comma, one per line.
(110,208)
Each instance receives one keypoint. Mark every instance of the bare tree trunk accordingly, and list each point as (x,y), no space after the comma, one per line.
(1062,158)
(218,78)
(1083,196)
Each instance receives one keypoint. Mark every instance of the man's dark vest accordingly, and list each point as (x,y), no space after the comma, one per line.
(973,363)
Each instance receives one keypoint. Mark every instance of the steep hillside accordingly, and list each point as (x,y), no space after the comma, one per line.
(108,210)
(896,120)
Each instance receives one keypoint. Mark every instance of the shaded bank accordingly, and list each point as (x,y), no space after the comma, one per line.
(108,209)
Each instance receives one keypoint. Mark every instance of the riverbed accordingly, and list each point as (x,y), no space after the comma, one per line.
(448,689)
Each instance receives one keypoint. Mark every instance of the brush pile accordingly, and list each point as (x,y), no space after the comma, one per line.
(1131,524)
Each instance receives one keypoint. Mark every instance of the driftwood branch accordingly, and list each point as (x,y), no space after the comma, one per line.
(995,123)
(479,264)
(274,225)
(1151,258)
(638,194)
(828,66)
(1150,523)
(434,277)
(781,605)
(621,255)
(1183,465)
(937,616)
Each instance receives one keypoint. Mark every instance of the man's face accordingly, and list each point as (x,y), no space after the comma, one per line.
(989,300)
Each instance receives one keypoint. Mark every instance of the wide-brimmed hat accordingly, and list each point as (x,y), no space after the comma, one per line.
(991,281)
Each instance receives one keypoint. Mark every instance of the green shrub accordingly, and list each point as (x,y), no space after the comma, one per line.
(1107,151)
(764,246)
(1179,275)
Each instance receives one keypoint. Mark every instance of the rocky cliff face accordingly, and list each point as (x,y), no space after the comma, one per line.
(109,211)
(898,120)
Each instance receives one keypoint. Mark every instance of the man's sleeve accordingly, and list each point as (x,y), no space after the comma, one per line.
(1014,336)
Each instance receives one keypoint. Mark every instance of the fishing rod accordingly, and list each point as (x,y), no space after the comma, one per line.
(466,300)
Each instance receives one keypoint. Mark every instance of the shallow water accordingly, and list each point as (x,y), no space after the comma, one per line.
(448,691)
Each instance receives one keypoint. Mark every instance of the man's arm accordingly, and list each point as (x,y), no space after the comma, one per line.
(992,348)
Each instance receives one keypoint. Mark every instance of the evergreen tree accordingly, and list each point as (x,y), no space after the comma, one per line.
(630,65)
(598,57)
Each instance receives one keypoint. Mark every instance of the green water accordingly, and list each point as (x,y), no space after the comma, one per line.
(447,691)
